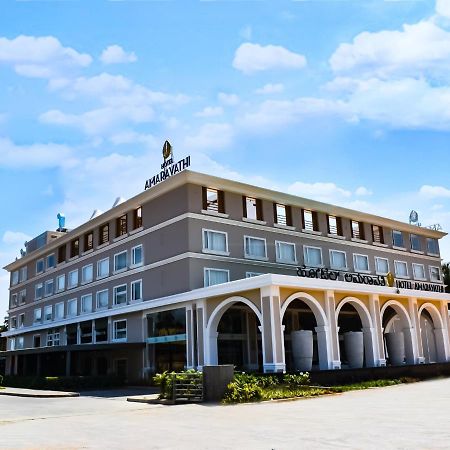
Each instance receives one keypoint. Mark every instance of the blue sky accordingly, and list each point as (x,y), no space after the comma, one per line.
(342,101)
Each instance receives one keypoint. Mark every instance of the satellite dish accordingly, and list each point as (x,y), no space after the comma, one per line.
(118,201)
(413,217)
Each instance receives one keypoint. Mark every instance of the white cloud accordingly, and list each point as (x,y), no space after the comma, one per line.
(131,137)
(115,54)
(362,191)
(431,192)
(211,136)
(443,8)
(271,89)
(250,58)
(325,192)
(15,238)
(228,99)
(210,111)
(40,57)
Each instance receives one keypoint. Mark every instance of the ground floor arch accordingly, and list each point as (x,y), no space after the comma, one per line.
(432,334)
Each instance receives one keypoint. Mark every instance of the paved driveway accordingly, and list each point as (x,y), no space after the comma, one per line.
(403,417)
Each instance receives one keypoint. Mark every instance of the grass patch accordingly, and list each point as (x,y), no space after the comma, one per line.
(373,384)
(285,392)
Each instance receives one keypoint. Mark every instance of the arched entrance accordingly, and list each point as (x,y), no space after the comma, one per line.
(432,334)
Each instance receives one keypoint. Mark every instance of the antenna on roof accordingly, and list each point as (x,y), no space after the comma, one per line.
(95,214)
(118,201)
(61,222)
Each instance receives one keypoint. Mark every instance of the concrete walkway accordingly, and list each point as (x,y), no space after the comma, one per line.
(19,392)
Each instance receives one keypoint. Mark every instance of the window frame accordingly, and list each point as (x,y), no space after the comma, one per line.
(305,252)
(114,333)
(97,295)
(115,288)
(100,277)
(205,232)
(435,242)
(333,250)
(62,276)
(354,263)
(132,291)
(122,225)
(46,261)
(256,258)
(419,250)
(83,281)
(402,247)
(396,262)
(70,286)
(440,274)
(103,234)
(123,269)
(40,315)
(40,260)
(207,270)
(72,301)
(414,274)
(133,251)
(46,307)
(253,274)
(86,246)
(277,255)
(376,265)
(46,283)
(74,250)
(56,309)
(36,288)
(82,298)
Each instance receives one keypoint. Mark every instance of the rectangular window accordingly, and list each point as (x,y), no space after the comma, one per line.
(103,268)
(101,330)
(36,341)
(310,220)
(13,300)
(60,283)
(213,200)
(14,277)
(416,243)
(103,235)
(432,246)
(216,276)
(282,214)
(50,261)
(136,290)
(120,261)
(102,299)
(86,304)
(74,248)
(38,291)
(361,263)
(13,323)
(21,320)
(86,332)
(89,241)
(23,273)
(72,279)
(334,226)
(48,313)
(87,273)
(20,342)
(22,296)
(61,254)
(121,225)
(255,248)
(285,252)
(377,234)
(137,256)
(382,266)
(357,230)
(72,307)
(53,337)
(120,295)
(215,241)
(252,208)
(137,218)
(39,266)
(59,311)
(338,259)
(38,315)
(435,274)
(397,239)
(252,274)
(401,269)
(48,288)
(419,271)
(120,330)
(313,256)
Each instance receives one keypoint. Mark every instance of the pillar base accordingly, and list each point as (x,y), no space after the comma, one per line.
(381,363)
(275,368)
(335,365)
(420,360)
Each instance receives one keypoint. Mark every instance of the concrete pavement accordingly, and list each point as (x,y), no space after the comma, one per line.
(399,417)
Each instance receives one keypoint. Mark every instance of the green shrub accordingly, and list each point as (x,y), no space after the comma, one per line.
(293,381)
(166,379)
(1,380)
(244,388)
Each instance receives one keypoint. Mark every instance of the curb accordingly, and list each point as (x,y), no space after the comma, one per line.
(21,394)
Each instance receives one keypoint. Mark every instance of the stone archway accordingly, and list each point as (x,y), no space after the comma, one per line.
(432,334)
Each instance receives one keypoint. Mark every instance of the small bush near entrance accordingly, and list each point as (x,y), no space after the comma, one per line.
(1,381)
(64,383)
(166,379)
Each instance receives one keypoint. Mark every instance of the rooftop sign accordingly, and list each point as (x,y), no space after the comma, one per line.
(168,167)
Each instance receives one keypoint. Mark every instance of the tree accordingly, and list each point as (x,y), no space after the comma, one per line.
(4,327)
(446,274)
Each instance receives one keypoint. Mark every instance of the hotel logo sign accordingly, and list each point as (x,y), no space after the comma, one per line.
(168,167)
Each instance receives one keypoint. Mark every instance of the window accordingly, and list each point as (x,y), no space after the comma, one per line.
(39,266)
(20,341)
(72,307)
(86,332)
(38,291)
(215,241)
(13,300)
(377,234)
(213,200)
(48,313)
(252,274)
(338,259)
(51,261)
(53,337)
(120,330)
(282,214)
(103,268)
(255,248)
(103,236)
(252,208)
(72,279)
(136,290)
(120,295)
(137,218)
(334,226)
(61,254)
(21,320)
(285,252)
(310,220)
(216,276)
(357,230)
(361,263)
(121,225)
(59,311)
(23,273)
(401,269)
(382,266)
(86,304)
(432,246)
(74,248)
(435,274)
(313,256)
(415,242)
(397,239)
(22,296)
(36,341)
(418,271)
(48,288)
(101,330)
(87,273)
(102,299)
(37,315)
(89,241)
(120,261)
(60,283)
(13,323)
(136,256)
(15,277)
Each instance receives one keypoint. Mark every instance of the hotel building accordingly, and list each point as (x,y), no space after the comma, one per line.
(199,270)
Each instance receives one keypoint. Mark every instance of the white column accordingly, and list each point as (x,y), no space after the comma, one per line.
(370,347)
(445,332)
(201,333)
(378,340)
(189,337)
(331,346)
(413,337)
